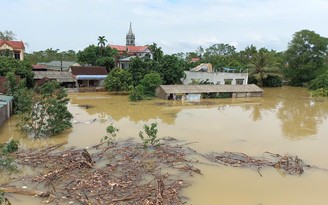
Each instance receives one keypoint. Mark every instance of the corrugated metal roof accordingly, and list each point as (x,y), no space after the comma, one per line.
(60,76)
(6,98)
(210,88)
(58,65)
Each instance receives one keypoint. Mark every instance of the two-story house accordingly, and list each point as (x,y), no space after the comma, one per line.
(12,48)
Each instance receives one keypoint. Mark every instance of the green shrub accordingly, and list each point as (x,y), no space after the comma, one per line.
(318,93)
(9,147)
(150,82)
(319,82)
(6,162)
(151,138)
(111,130)
(272,81)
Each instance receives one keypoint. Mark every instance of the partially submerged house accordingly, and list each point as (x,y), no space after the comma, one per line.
(6,108)
(12,48)
(64,78)
(234,91)
(204,72)
(89,76)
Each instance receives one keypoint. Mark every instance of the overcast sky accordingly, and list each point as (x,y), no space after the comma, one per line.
(175,25)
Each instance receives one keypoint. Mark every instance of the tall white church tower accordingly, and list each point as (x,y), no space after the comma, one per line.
(130,37)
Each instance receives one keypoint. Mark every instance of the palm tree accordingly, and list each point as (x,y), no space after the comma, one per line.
(102,41)
(263,64)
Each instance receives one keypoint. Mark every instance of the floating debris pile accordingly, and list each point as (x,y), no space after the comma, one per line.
(121,173)
(290,165)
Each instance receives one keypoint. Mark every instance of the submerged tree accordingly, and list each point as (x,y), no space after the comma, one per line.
(48,114)
(171,69)
(306,56)
(22,95)
(118,80)
(150,82)
(263,64)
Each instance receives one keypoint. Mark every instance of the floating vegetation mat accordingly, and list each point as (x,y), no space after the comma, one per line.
(126,173)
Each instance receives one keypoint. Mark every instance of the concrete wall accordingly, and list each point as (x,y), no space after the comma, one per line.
(3,114)
(161,94)
(216,78)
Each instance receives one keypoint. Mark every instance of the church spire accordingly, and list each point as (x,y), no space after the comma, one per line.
(130,29)
(130,37)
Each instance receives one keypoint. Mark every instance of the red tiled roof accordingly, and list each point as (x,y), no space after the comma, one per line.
(88,70)
(118,48)
(38,66)
(195,59)
(13,44)
(137,49)
(129,49)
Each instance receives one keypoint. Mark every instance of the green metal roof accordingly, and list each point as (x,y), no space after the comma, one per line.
(6,98)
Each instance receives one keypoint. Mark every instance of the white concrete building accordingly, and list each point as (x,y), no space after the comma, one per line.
(217,78)
(204,72)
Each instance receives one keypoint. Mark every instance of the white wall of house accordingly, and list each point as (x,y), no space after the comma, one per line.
(219,78)
(146,53)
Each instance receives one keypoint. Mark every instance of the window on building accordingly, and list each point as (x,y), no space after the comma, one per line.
(227,81)
(239,81)
(17,55)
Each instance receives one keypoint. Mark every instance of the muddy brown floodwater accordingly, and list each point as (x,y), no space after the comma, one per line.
(284,121)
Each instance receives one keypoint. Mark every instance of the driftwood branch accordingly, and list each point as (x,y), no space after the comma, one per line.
(21,191)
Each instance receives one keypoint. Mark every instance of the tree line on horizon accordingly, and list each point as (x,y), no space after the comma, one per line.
(304,63)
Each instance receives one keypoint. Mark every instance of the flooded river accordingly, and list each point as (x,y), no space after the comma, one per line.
(284,121)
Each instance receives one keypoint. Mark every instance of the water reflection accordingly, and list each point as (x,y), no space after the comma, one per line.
(300,116)
(117,107)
